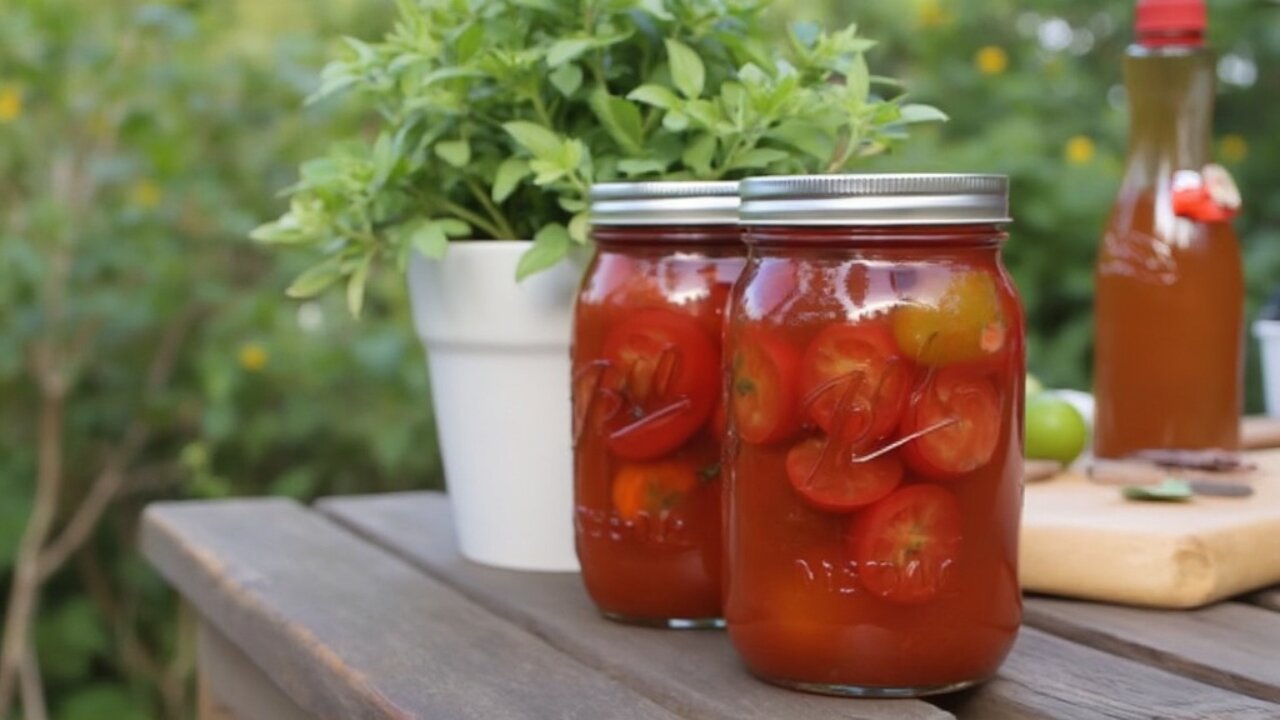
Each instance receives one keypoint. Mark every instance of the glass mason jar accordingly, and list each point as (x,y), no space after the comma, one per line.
(874,453)
(647,410)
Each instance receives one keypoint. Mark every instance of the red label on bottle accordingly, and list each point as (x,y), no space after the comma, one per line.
(1209,195)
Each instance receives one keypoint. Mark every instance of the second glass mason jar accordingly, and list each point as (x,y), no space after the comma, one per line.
(647,408)
(874,454)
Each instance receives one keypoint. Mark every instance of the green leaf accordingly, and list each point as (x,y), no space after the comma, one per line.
(316,280)
(537,139)
(757,158)
(356,283)
(655,8)
(385,160)
(320,172)
(508,177)
(655,95)
(1171,490)
(922,114)
(807,138)
(580,228)
(567,78)
(546,172)
(632,167)
(550,246)
(687,71)
(700,153)
(562,51)
(857,78)
(429,238)
(675,121)
(620,119)
(455,152)
(454,227)
(572,204)
(470,41)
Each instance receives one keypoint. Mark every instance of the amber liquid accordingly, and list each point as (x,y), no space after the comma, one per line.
(1168,368)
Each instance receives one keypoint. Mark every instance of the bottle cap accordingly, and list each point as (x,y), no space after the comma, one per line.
(1169,21)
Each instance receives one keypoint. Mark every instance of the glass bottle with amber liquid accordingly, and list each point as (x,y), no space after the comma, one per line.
(1170,287)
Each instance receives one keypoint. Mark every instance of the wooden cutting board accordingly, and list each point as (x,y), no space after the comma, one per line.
(1086,541)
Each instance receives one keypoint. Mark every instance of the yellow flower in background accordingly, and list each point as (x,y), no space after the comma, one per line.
(1233,149)
(1079,150)
(10,102)
(253,357)
(991,60)
(144,194)
(931,14)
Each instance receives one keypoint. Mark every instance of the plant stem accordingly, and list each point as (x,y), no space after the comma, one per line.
(462,213)
(34,706)
(470,216)
(499,219)
(25,590)
(541,109)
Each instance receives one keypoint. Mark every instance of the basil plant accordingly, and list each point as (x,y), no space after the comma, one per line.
(492,118)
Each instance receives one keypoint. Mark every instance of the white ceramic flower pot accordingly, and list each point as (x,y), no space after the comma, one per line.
(498,351)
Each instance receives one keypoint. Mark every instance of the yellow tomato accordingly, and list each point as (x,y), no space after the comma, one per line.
(964,323)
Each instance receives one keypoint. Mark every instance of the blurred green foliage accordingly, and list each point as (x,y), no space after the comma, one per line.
(182,120)
(139,144)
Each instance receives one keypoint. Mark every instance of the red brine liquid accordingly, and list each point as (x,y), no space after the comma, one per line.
(648,421)
(874,458)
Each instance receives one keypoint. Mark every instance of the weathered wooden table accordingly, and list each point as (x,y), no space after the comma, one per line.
(362,608)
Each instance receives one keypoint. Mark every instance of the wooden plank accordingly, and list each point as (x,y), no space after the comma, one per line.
(232,687)
(1052,678)
(694,673)
(1231,645)
(1269,598)
(351,633)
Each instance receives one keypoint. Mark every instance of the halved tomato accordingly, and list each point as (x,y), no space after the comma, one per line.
(854,382)
(665,369)
(762,389)
(828,477)
(651,488)
(964,322)
(957,412)
(907,544)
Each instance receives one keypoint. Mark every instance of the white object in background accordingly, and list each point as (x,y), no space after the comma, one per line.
(1268,334)
(498,352)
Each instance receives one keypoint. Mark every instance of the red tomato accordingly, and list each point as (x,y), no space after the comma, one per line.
(854,382)
(827,478)
(906,544)
(666,371)
(652,488)
(971,403)
(762,389)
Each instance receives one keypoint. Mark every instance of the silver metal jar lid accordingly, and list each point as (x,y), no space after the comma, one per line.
(664,203)
(875,200)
